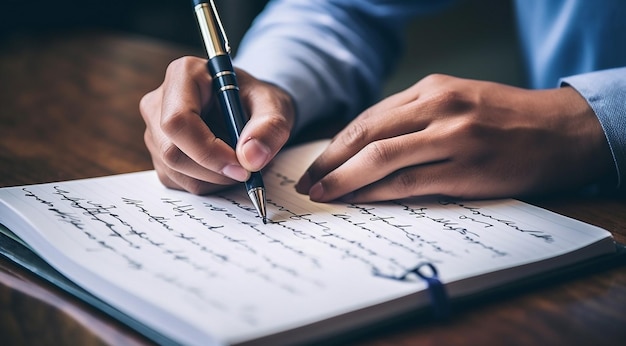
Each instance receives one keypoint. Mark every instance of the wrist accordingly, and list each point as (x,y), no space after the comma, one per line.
(596,161)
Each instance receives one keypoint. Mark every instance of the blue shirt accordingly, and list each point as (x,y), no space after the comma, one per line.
(332,55)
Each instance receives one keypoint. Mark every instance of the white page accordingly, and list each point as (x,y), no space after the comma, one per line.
(197,267)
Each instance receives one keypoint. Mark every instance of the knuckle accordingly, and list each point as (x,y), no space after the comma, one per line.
(185,63)
(453,101)
(472,129)
(435,79)
(379,153)
(469,130)
(355,133)
(171,155)
(174,123)
(404,183)
(447,96)
(146,104)
(279,127)
(207,157)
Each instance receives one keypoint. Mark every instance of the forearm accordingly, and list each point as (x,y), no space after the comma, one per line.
(331,58)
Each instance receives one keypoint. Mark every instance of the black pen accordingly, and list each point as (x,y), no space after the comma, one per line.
(225,85)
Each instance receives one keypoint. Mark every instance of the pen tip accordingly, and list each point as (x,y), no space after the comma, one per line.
(257,195)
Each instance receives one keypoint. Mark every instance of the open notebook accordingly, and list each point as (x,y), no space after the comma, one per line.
(204,269)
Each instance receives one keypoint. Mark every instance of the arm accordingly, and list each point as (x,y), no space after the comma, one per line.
(330,56)
(475,139)
(327,56)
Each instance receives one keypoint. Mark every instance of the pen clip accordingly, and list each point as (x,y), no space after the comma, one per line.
(212,30)
(220,26)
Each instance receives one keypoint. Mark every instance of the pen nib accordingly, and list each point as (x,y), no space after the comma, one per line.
(257,196)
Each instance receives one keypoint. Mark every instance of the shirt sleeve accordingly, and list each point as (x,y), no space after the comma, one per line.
(331,56)
(605,91)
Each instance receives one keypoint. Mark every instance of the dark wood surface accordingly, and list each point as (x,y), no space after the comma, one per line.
(69,109)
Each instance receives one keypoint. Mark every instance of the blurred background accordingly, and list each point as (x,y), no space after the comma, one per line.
(473,39)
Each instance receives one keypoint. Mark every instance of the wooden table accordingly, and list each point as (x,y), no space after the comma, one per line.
(69,109)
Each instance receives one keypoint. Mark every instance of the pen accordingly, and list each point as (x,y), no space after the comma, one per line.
(226,89)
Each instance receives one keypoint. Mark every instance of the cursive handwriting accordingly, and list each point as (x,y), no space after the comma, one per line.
(508,223)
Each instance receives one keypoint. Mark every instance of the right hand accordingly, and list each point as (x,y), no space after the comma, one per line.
(188,152)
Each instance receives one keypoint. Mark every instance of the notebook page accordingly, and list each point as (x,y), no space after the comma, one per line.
(199,267)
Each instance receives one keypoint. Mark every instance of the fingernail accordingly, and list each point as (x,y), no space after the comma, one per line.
(316,192)
(235,172)
(304,184)
(256,153)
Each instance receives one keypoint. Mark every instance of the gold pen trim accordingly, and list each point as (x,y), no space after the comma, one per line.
(223,73)
(229,87)
(212,30)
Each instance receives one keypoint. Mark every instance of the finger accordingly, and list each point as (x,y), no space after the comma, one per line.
(422,180)
(184,165)
(270,124)
(439,178)
(178,181)
(448,178)
(185,92)
(163,150)
(376,161)
(388,119)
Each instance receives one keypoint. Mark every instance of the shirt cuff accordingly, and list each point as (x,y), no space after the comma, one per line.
(605,91)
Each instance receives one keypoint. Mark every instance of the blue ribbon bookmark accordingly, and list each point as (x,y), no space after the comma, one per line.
(436,289)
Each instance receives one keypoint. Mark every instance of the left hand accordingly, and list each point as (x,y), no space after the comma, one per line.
(464,139)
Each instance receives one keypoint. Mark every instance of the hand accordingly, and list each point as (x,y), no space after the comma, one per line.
(464,139)
(184,128)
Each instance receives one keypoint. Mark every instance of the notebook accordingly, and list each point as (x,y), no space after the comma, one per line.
(205,270)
